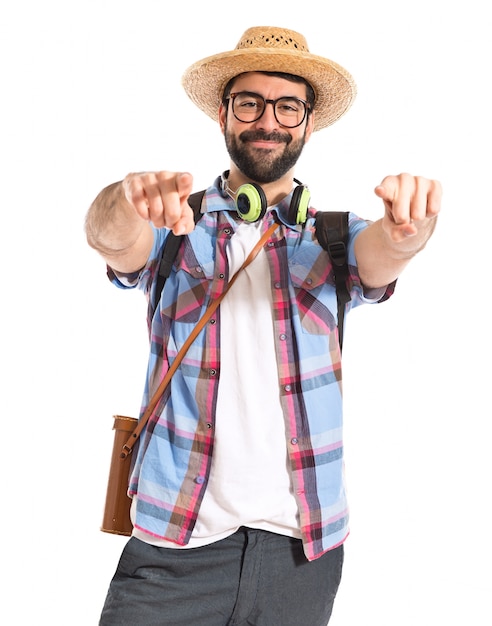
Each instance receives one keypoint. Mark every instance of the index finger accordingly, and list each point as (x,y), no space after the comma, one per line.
(186,221)
(184,184)
(167,198)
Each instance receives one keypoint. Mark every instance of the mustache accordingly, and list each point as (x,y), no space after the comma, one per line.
(260,135)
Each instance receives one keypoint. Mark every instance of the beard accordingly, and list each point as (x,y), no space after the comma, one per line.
(261,165)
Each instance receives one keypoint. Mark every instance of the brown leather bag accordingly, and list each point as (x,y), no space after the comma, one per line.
(116,517)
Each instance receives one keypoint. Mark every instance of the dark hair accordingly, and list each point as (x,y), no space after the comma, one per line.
(310,97)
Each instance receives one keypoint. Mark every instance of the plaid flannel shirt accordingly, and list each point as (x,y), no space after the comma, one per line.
(173,457)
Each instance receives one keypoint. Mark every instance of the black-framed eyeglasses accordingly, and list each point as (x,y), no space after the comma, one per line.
(289,111)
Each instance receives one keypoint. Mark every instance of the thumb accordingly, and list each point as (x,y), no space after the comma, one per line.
(385,192)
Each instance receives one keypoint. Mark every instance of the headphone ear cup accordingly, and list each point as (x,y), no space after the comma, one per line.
(251,202)
(299,205)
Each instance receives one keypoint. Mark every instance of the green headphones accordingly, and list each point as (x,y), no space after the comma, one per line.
(251,202)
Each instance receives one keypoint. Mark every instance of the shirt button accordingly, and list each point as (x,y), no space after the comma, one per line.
(198,269)
(283,337)
(277,285)
(227,231)
(221,276)
(213,372)
(294,441)
(213,320)
(288,387)
(270,244)
(200,480)
(309,281)
(209,425)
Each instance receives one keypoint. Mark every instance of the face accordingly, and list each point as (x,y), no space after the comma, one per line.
(264,150)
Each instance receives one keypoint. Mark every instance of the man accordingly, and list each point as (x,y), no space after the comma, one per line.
(239,507)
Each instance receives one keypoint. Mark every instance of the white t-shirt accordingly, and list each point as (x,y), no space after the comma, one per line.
(249,482)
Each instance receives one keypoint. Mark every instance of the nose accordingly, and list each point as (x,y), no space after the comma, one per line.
(267,119)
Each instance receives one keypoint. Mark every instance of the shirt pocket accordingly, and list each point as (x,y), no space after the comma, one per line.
(190,283)
(314,294)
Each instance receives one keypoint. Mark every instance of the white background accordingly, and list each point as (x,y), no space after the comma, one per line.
(90,91)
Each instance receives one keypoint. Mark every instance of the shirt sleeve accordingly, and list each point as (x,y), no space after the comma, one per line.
(142,279)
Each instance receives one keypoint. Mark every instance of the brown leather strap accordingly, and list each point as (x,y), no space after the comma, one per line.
(127,448)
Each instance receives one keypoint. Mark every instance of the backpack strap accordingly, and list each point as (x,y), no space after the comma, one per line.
(332,234)
(171,247)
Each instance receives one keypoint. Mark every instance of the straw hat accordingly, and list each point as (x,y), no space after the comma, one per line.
(272,49)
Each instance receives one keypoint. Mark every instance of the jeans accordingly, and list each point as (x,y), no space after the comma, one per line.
(252,578)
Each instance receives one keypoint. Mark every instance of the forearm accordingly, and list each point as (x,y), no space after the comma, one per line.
(381,260)
(116,231)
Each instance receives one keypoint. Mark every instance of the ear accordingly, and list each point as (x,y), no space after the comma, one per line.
(222,117)
(310,126)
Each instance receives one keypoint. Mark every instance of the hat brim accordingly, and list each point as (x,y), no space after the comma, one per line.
(334,87)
